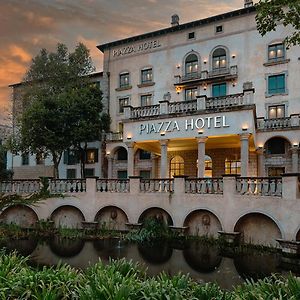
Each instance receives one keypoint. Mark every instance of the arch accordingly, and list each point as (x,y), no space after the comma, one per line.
(202,222)
(191,63)
(275,140)
(23,246)
(258,228)
(202,258)
(176,166)
(208,166)
(157,213)
(20,215)
(121,153)
(112,218)
(66,247)
(67,216)
(217,55)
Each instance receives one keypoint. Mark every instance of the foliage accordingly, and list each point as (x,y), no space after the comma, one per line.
(4,173)
(272,12)
(122,280)
(61,106)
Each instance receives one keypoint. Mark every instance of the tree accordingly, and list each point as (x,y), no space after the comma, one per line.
(56,85)
(4,173)
(272,12)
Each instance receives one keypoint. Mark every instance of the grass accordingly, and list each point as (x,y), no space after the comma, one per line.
(122,280)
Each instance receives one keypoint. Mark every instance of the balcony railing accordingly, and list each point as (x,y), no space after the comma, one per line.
(157,185)
(112,185)
(262,186)
(183,106)
(67,186)
(278,123)
(114,136)
(25,186)
(204,185)
(226,101)
(144,111)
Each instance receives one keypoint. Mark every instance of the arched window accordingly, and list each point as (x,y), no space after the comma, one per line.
(177,166)
(122,154)
(219,59)
(276,145)
(191,65)
(208,166)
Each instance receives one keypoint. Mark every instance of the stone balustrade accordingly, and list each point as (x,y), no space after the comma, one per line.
(112,185)
(263,186)
(204,185)
(26,186)
(180,107)
(227,101)
(144,111)
(58,186)
(278,123)
(113,136)
(157,185)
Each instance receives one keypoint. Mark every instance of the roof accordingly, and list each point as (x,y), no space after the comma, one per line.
(202,22)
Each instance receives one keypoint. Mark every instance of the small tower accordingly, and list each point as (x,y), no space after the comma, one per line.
(175,20)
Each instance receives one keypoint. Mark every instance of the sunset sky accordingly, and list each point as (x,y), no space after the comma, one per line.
(26,26)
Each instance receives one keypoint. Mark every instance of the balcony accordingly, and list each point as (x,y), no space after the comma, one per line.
(207,77)
(278,123)
(202,103)
(113,136)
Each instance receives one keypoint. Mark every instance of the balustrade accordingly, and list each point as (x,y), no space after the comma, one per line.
(67,186)
(277,123)
(263,186)
(112,185)
(145,111)
(20,186)
(226,101)
(157,185)
(182,106)
(204,185)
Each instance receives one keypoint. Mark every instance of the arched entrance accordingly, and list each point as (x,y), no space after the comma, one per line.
(156,213)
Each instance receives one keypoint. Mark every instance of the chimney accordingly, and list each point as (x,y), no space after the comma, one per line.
(248,3)
(175,20)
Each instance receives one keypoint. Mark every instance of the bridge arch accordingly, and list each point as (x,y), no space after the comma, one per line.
(21,215)
(67,216)
(203,222)
(157,213)
(258,228)
(111,217)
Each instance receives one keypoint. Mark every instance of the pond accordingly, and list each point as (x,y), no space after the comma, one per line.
(204,263)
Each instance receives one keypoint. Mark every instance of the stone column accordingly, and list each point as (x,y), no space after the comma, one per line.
(295,159)
(244,154)
(164,159)
(261,172)
(153,163)
(130,159)
(201,156)
(109,167)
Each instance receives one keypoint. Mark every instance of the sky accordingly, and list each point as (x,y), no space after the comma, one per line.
(26,26)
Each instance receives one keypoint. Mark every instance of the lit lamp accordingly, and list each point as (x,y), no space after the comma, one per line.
(205,61)
(107,152)
(128,137)
(162,133)
(200,131)
(178,89)
(244,128)
(233,56)
(178,66)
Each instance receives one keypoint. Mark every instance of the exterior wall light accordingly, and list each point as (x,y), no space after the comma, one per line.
(162,133)
(128,137)
(178,66)
(245,128)
(107,152)
(200,131)
(233,56)
(295,144)
(178,89)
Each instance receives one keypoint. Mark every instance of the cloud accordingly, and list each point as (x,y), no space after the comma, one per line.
(20,53)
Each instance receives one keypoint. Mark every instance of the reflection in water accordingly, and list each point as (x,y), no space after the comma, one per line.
(202,258)
(111,248)
(23,246)
(155,253)
(257,265)
(66,247)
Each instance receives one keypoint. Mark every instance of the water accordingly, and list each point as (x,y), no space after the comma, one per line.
(204,263)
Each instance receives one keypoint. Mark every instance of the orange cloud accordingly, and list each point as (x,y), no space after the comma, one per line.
(20,53)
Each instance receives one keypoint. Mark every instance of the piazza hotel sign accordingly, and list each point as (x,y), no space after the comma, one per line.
(144,46)
(189,127)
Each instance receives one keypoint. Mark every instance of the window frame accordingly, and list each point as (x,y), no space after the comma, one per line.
(276,106)
(274,93)
(195,65)
(149,95)
(213,67)
(195,89)
(121,107)
(236,167)
(276,58)
(25,159)
(146,69)
(123,85)
(218,84)
(96,153)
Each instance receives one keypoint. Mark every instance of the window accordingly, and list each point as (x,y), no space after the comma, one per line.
(91,156)
(145,154)
(276,145)
(176,166)
(275,171)
(39,159)
(123,102)
(89,172)
(276,84)
(124,80)
(276,52)
(25,159)
(71,157)
(145,174)
(146,75)
(146,100)
(121,127)
(219,59)
(232,167)
(71,173)
(122,154)
(122,174)
(208,166)
(191,65)
(276,111)
(190,94)
(219,90)
(219,28)
(191,35)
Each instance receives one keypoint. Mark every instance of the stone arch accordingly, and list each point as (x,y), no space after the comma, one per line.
(66,247)
(202,258)
(278,137)
(258,228)
(157,213)
(120,153)
(187,56)
(227,53)
(20,215)
(112,218)
(202,222)
(67,216)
